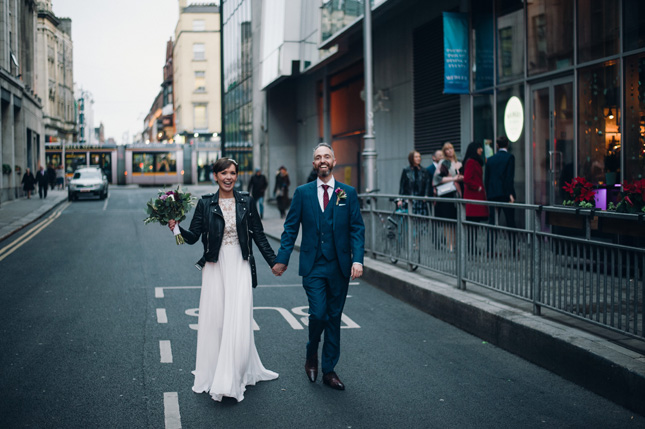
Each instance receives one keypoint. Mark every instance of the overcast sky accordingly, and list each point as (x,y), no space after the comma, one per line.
(119,53)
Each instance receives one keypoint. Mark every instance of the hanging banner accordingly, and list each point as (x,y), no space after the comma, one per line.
(455,45)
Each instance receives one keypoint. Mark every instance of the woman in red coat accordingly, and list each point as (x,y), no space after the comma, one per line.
(474,183)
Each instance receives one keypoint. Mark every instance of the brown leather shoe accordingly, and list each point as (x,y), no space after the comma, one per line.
(311,368)
(331,379)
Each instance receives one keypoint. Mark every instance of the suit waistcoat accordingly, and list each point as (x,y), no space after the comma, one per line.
(326,246)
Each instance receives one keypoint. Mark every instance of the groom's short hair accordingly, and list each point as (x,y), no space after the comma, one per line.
(327,145)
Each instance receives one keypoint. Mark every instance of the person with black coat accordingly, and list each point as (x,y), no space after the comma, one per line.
(227,221)
(415,181)
(42,178)
(28,182)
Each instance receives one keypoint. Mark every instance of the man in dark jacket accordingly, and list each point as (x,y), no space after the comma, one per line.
(42,178)
(500,180)
(257,186)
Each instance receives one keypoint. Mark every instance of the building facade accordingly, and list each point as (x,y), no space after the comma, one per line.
(159,123)
(54,77)
(561,79)
(21,119)
(196,74)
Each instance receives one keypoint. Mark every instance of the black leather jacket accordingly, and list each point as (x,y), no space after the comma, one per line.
(208,222)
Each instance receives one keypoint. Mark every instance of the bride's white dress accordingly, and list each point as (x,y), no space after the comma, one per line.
(227,360)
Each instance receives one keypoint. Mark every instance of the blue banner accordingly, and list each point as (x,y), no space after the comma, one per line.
(455,45)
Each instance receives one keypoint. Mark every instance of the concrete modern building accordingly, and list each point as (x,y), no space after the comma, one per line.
(21,118)
(196,73)
(54,77)
(562,80)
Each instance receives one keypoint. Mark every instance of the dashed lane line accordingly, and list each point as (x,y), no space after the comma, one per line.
(161,315)
(165,351)
(172,418)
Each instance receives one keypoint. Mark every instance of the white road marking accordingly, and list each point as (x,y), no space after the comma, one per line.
(304,311)
(172,419)
(106,202)
(165,351)
(161,315)
(15,245)
(285,313)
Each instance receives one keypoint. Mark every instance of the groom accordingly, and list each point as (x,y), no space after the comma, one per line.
(333,236)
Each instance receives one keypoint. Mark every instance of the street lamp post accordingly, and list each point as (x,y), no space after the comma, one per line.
(369,149)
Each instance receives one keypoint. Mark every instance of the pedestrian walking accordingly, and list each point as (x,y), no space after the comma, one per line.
(60,177)
(332,226)
(227,359)
(415,181)
(257,187)
(42,178)
(281,190)
(28,182)
(51,176)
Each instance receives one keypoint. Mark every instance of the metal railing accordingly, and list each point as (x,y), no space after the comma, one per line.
(587,278)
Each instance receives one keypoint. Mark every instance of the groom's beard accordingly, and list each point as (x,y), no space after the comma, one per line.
(324,173)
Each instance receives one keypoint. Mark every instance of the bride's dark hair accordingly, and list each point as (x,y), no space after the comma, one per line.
(223,163)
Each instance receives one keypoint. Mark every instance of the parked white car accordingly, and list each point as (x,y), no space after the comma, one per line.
(87,182)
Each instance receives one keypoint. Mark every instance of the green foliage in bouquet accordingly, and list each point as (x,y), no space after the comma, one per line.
(169,205)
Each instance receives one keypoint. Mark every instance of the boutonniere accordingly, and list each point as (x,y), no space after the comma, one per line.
(340,195)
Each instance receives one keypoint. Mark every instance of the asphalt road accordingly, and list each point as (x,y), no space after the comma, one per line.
(97,331)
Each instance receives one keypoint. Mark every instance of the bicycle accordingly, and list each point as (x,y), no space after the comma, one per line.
(395,226)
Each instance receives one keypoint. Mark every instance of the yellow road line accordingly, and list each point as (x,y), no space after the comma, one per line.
(19,242)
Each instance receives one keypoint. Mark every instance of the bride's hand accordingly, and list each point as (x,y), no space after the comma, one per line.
(171,224)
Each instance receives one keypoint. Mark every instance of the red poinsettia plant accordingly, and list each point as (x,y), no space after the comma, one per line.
(632,198)
(581,192)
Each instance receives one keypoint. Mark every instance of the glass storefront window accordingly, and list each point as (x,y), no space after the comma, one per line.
(550,35)
(634,24)
(518,146)
(483,122)
(510,39)
(598,29)
(634,137)
(483,40)
(599,137)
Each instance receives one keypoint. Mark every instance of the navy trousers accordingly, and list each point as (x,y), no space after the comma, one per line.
(326,289)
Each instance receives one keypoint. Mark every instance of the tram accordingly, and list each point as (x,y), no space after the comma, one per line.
(79,155)
(139,164)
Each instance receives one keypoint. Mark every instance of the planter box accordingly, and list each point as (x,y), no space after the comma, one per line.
(571,220)
(630,227)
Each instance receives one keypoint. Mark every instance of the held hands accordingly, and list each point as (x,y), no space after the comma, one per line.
(278,269)
(172,223)
(357,271)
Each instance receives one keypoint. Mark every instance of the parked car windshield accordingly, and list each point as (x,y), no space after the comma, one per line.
(87,175)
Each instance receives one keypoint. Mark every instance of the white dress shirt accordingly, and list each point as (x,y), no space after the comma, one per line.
(330,190)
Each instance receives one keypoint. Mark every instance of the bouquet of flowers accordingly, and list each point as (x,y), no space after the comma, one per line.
(582,193)
(632,198)
(169,205)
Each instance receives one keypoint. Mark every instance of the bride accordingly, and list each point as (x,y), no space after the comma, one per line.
(227,360)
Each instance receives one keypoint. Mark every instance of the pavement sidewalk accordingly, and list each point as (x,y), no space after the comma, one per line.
(608,364)
(19,213)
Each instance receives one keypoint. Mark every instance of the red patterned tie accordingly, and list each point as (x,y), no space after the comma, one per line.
(325,196)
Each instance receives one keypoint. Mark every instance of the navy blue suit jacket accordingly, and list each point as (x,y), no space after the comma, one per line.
(348,227)
(500,176)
